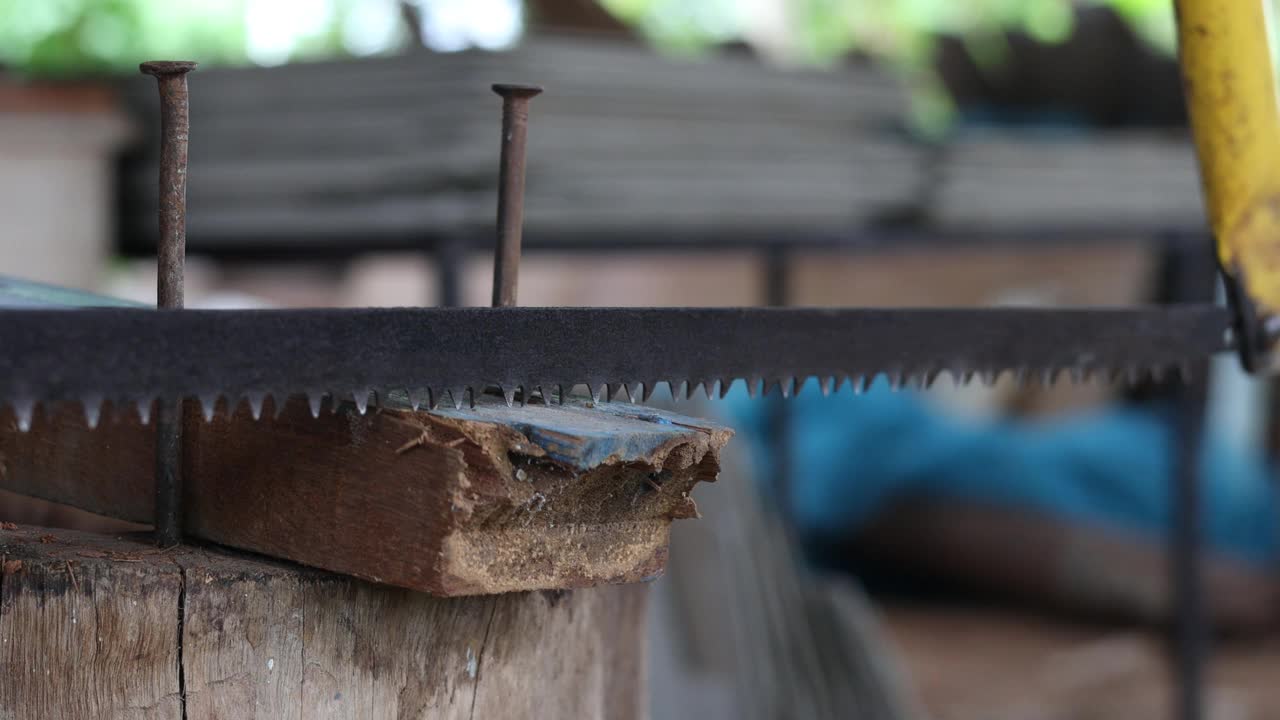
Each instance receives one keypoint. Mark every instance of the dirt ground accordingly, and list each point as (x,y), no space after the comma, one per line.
(989,664)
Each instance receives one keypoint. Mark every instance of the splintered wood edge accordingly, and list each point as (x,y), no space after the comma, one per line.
(558,497)
(479,501)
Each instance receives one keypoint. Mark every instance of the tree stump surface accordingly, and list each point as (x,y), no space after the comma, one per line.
(100,627)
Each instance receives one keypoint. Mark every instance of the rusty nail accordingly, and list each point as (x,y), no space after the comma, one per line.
(171,253)
(515,121)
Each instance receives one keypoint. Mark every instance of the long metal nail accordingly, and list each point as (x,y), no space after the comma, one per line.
(171,252)
(515,121)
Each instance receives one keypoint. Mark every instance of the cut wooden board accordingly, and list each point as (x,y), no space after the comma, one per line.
(485,500)
(95,627)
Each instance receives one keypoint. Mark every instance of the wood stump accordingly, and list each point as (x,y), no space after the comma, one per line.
(98,627)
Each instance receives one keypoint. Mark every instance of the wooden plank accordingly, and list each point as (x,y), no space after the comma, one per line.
(488,500)
(100,627)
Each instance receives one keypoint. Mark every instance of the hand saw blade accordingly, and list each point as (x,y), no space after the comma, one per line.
(139,354)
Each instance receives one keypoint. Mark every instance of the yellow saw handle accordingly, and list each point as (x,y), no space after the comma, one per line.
(1231,99)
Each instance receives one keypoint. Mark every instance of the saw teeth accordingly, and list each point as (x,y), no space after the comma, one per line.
(314,401)
(988,377)
(208,406)
(417,396)
(255,401)
(457,396)
(92,406)
(935,376)
(24,411)
(508,395)
(143,408)
(362,400)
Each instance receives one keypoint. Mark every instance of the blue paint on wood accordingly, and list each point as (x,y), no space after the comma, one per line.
(585,435)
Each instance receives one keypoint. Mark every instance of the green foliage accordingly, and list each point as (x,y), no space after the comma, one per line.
(898,30)
(79,37)
(63,37)
(899,33)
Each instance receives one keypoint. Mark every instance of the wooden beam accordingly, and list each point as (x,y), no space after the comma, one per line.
(484,500)
(96,627)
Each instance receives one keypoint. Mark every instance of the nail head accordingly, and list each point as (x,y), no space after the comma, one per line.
(167,67)
(516,90)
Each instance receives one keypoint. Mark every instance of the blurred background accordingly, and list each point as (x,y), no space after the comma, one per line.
(993,551)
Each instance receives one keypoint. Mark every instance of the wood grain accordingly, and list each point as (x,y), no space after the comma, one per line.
(261,639)
(85,636)
(488,500)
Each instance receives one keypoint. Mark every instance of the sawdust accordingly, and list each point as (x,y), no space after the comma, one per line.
(526,520)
